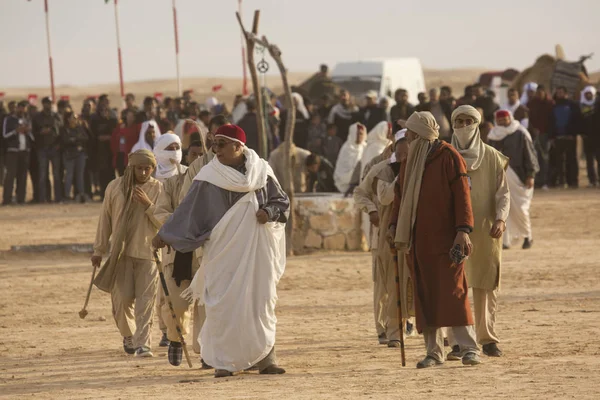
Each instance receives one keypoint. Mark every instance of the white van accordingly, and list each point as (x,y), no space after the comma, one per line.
(381,75)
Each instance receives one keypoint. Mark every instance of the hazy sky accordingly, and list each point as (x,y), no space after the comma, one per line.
(442,33)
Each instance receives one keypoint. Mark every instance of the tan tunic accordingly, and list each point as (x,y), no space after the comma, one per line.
(277,162)
(168,200)
(144,226)
(490,200)
(192,171)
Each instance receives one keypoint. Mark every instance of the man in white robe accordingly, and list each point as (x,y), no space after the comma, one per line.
(237,210)
(514,141)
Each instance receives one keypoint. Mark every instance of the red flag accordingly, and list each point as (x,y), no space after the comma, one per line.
(65,97)
(32,98)
(216,88)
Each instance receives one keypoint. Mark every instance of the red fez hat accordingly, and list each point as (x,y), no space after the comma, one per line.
(232,132)
(502,114)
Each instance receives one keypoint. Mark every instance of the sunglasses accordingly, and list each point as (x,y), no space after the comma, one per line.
(220,144)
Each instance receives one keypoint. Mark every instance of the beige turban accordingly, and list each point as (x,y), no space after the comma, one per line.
(467,140)
(427,129)
(142,157)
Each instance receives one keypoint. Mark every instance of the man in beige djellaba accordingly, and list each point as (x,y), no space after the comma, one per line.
(490,200)
(375,197)
(130,274)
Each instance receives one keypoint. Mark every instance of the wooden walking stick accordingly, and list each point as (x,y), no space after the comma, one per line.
(83,313)
(166,291)
(399,304)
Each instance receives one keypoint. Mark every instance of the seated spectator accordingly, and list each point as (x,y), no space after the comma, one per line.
(320,175)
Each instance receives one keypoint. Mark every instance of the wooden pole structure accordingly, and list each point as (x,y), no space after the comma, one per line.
(119,50)
(290,161)
(176,47)
(49,52)
(244,68)
(260,120)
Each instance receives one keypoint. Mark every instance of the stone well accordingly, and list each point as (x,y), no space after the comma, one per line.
(326,221)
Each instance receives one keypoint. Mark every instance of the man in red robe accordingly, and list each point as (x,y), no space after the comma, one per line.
(432,214)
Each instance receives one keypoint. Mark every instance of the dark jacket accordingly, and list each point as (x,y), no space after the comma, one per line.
(248,124)
(540,112)
(10,136)
(322,181)
(519,149)
(50,121)
(101,132)
(371,116)
(400,112)
(488,106)
(331,148)
(590,122)
(300,128)
(73,141)
(565,120)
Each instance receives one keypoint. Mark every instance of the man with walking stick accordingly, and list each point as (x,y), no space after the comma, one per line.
(130,274)
(430,225)
(375,196)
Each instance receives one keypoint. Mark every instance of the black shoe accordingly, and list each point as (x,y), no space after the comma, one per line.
(272,370)
(492,350)
(454,355)
(164,341)
(527,243)
(175,353)
(505,247)
(205,365)
(128,345)
(222,373)
(428,362)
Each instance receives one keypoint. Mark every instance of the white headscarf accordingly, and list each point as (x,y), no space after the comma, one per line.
(167,161)
(350,155)
(377,142)
(211,102)
(527,87)
(299,101)
(467,140)
(586,102)
(141,143)
(427,129)
(498,133)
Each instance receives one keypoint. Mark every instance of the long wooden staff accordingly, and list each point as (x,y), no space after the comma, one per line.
(83,313)
(166,290)
(399,304)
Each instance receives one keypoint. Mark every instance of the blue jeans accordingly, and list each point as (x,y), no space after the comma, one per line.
(45,157)
(75,167)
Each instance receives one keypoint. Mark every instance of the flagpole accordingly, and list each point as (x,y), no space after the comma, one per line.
(119,50)
(244,67)
(176,48)
(49,51)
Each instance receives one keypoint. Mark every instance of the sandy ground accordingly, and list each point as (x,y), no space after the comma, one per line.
(549,323)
